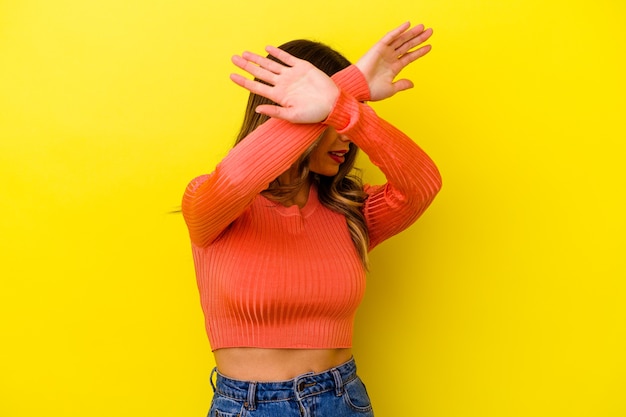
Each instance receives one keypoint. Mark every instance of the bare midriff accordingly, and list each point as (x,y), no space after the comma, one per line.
(263,365)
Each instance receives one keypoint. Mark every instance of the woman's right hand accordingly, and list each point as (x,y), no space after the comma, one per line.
(384,61)
(304,93)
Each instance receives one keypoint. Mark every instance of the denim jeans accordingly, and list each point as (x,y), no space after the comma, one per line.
(338,392)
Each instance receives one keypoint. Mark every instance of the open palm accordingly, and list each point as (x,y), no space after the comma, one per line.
(304,93)
(384,61)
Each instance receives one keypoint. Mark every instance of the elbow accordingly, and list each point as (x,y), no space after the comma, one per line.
(197,209)
(190,197)
(432,183)
(434,177)
(437,182)
(422,198)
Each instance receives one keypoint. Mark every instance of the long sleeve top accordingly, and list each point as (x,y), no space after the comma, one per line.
(273,276)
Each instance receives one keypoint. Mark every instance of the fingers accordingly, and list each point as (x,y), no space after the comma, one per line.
(402,85)
(265,91)
(253,86)
(409,40)
(406,36)
(393,34)
(254,70)
(409,57)
(405,33)
(269,110)
(285,57)
(261,68)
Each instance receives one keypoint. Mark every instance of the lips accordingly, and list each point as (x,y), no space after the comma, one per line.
(338,156)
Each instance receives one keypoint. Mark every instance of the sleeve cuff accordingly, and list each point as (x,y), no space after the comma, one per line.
(353,82)
(344,114)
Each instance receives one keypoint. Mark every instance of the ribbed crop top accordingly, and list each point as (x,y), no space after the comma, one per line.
(271,276)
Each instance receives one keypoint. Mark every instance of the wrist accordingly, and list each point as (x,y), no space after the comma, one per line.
(344,113)
(353,81)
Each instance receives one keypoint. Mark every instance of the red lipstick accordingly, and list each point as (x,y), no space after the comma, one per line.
(338,156)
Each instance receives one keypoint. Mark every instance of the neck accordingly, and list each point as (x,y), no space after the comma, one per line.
(302,194)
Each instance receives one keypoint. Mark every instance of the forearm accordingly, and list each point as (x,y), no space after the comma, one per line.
(212,202)
(403,162)
(352,81)
(413,179)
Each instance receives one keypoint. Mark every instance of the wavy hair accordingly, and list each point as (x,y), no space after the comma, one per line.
(343,192)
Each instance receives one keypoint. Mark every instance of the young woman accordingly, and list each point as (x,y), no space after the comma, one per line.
(281,229)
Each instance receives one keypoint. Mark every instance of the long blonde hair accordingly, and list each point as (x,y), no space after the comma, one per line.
(343,192)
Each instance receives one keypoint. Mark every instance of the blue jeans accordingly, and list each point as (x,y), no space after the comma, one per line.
(338,392)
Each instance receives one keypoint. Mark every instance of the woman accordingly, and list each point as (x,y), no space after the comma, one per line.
(280,230)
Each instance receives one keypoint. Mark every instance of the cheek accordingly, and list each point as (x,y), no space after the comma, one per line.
(323,165)
(316,159)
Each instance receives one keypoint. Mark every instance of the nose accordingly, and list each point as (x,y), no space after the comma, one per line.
(343,138)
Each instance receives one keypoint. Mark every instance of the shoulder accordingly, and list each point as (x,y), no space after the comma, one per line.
(197,181)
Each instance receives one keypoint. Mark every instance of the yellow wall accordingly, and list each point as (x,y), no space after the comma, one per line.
(505,299)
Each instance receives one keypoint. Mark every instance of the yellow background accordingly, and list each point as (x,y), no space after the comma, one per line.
(506,299)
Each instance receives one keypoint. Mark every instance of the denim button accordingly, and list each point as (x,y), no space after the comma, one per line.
(303,385)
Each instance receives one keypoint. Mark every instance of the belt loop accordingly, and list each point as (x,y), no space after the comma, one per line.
(338,382)
(213,372)
(251,399)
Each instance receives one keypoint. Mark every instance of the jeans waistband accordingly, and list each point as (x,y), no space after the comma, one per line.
(299,387)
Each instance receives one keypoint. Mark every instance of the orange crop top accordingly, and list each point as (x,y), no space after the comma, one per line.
(271,276)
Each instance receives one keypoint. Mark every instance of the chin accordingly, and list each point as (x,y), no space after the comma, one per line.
(327,173)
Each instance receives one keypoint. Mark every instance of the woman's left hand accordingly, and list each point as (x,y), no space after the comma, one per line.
(390,55)
(304,93)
